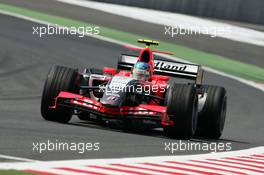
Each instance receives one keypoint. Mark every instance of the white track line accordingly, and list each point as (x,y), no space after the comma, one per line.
(51,171)
(16,158)
(154,159)
(241,80)
(158,165)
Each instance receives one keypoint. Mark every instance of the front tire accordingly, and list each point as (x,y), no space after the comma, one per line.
(181,101)
(59,79)
(211,119)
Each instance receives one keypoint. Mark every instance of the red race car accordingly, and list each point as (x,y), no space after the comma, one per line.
(138,91)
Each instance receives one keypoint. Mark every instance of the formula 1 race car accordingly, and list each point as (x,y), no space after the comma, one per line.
(138,90)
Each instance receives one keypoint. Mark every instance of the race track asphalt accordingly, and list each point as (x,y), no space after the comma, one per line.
(24,62)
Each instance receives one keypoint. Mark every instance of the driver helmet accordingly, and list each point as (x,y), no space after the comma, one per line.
(141,71)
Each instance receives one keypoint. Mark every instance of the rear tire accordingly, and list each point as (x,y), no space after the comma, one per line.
(59,79)
(211,119)
(182,105)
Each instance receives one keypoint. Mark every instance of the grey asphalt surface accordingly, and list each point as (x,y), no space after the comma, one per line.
(239,51)
(24,62)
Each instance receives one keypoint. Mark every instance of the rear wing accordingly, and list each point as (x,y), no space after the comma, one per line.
(166,67)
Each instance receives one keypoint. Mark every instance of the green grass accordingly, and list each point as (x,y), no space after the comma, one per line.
(227,65)
(13,172)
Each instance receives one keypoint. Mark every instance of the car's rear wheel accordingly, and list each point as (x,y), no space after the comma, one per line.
(182,105)
(59,79)
(211,119)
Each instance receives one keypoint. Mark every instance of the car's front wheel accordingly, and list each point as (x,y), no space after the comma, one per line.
(59,79)
(182,105)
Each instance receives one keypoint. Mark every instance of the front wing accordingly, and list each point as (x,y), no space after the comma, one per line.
(142,112)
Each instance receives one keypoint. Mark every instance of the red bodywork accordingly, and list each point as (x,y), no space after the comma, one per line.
(150,111)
